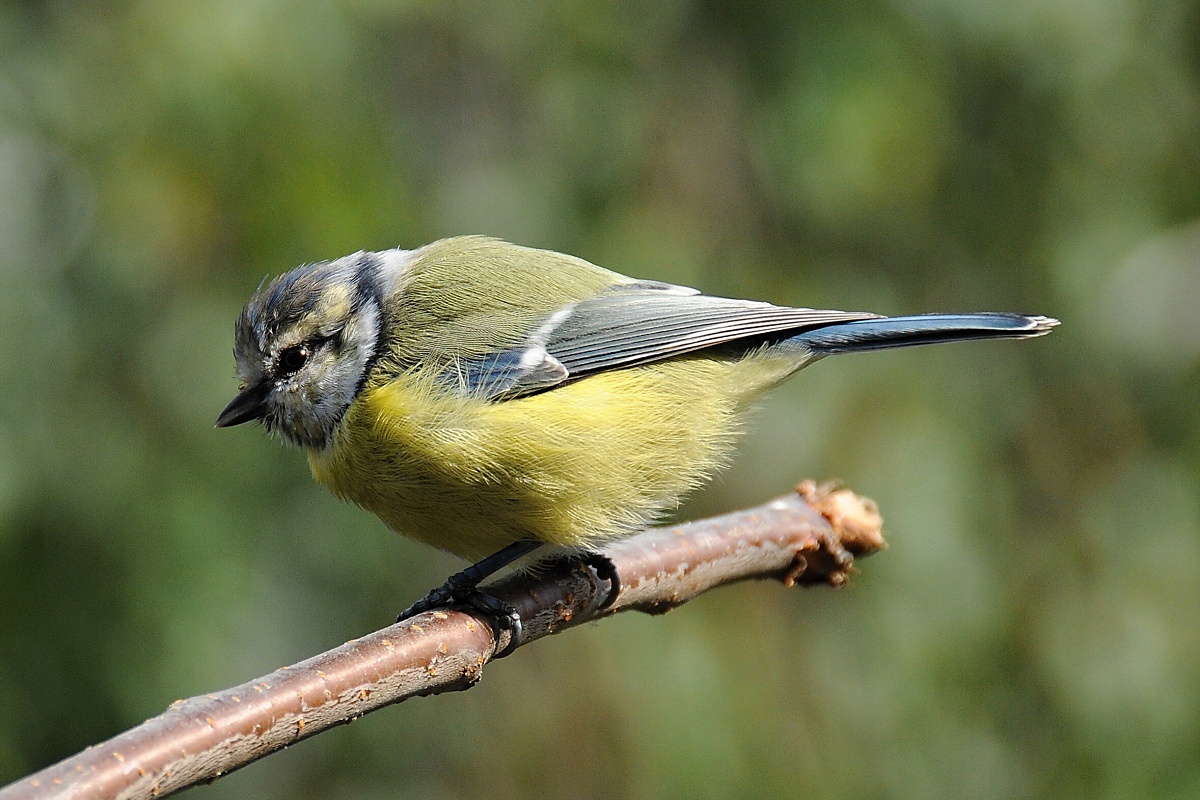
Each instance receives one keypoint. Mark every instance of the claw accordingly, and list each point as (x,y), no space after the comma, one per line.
(605,570)
(501,616)
(461,588)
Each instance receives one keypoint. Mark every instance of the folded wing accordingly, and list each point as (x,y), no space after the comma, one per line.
(629,325)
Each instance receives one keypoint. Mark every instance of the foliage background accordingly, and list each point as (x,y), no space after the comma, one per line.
(1034,630)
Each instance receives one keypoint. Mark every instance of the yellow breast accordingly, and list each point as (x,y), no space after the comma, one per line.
(573,466)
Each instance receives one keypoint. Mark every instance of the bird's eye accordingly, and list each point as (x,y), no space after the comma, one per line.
(293,359)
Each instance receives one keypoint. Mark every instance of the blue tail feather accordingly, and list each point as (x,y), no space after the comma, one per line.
(887,332)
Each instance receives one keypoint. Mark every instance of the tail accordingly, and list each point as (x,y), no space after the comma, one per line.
(879,334)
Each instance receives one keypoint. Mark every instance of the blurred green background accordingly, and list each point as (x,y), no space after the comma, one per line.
(1034,630)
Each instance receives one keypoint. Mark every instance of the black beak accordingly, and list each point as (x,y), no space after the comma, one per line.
(250,404)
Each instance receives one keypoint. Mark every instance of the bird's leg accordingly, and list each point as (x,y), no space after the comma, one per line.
(463,587)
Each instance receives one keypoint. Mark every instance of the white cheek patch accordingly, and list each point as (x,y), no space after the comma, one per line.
(344,375)
(308,406)
(362,333)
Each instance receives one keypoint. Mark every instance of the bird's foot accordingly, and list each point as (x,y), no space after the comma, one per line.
(605,570)
(460,590)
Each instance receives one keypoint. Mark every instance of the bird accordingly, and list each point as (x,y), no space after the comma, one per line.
(491,399)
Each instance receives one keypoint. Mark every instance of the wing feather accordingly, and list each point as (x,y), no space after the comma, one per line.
(629,325)
(613,331)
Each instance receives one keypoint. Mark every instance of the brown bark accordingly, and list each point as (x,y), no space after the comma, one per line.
(808,538)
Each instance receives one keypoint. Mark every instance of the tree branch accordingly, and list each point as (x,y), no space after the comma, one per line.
(808,538)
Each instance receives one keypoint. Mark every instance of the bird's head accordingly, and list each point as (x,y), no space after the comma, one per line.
(305,343)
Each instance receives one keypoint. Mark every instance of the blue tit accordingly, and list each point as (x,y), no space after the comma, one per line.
(486,398)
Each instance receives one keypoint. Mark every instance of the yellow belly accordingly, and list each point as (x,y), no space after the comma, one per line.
(576,465)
